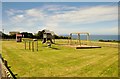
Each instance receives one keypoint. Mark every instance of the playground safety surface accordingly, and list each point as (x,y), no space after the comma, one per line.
(83,46)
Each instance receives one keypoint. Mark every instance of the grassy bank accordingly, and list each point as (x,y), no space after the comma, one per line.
(60,61)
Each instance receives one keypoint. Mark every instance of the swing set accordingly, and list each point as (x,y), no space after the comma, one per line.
(79,41)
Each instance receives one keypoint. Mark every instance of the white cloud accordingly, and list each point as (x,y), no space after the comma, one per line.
(88,15)
(62,16)
(82,16)
(57,8)
(34,13)
(17,18)
(12,12)
(20,16)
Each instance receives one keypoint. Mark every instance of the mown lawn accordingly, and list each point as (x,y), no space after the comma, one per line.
(60,61)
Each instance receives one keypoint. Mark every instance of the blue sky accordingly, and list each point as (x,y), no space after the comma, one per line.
(61,17)
(60,0)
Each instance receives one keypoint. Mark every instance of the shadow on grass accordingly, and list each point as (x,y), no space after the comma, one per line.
(51,47)
(54,48)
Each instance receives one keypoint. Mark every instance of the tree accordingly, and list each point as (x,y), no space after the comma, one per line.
(3,35)
(27,35)
(40,34)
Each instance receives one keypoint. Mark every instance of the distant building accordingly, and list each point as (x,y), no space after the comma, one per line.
(14,32)
(19,37)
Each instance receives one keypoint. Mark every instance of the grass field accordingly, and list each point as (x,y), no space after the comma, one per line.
(60,61)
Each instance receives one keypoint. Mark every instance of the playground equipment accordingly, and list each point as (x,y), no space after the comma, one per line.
(48,36)
(31,44)
(78,38)
(18,37)
(81,46)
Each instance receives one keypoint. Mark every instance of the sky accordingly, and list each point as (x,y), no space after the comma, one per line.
(99,18)
(60,0)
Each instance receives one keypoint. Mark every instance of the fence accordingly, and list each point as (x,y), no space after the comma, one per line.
(5,70)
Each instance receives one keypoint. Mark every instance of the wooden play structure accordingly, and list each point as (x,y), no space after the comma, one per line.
(80,45)
(79,38)
(18,37)
(32,44)
(48,36)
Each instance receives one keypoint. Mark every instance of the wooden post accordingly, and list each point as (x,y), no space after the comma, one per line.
(37,45)
(33,46)
(88,38)
(71,38)
(54,38)
(68,39)
(79,39)
(46,39)
(5,62)
(29,45)
(25,44)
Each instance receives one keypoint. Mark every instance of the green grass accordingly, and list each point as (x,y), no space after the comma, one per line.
(60,61)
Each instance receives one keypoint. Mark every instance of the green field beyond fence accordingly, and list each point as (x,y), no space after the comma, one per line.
(60,61)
